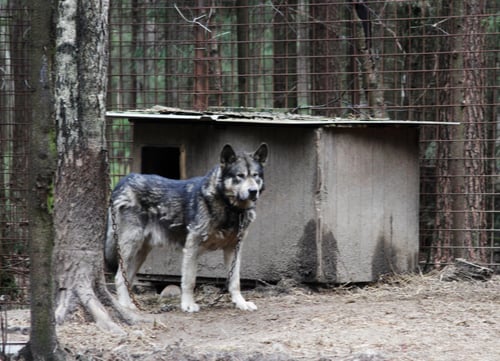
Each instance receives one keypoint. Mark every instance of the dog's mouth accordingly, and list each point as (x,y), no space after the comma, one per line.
(250,195)
(254,195)
(245,203)
(243,199)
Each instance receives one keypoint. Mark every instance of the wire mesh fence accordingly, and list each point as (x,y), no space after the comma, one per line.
(119,137)
(14,133)
(336,58)
(398,60)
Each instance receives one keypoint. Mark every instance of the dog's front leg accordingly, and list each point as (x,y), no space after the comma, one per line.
(232,258)
(189,269)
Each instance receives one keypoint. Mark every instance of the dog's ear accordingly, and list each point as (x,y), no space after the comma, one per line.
(227,156)
(260,154)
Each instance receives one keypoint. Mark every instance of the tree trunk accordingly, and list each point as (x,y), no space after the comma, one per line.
(134,52)
(461,167)
(215,71)
(200,101)
(81,184)
(474,152)
(449,166)
(370,60)
(285,56)
(243,51)
(325,82)
(43,342)
(303,63)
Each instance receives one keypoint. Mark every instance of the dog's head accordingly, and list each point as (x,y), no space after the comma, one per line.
(242,175)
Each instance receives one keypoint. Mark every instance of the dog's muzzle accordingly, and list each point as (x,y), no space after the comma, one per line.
(247,199)
(253,194)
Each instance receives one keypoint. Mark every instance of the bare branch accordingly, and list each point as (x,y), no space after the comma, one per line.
(194,21)
(434,26)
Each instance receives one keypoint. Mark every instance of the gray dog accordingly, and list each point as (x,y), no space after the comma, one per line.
(199,214)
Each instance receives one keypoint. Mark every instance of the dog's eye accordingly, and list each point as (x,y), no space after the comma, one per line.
(255,175)
(240,175)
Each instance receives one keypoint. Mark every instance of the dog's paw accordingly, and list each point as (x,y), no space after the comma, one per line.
(240,302)
(190,307)
(246,306)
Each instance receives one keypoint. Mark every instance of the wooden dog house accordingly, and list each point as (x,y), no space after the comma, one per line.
(341,202)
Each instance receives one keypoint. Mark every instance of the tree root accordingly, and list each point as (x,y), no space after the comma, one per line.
(98,302)
(98,312)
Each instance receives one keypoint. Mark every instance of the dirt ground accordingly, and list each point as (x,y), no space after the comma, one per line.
(416,317)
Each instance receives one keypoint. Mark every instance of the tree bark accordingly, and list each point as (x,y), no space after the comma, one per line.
(43,342)
(303,63)
(285,56)
(82,180)
(243,51)
(326,89)
(474,152)
(370,61)
(461,165)
(449,218)
(200,101)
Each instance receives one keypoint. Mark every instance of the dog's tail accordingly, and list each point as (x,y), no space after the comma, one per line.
(110,246)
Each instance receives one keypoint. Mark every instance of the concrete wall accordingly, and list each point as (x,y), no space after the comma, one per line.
(341,204)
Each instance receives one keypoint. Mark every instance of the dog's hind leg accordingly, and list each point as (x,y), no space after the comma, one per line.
(189,269)
(122,291)
(233,268)
(134,249)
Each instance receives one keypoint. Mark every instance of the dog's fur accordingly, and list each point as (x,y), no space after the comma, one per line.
(199,214)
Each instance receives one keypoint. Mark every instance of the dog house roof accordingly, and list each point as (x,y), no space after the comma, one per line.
(246,116)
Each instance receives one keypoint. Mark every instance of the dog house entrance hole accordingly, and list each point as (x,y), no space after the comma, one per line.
(164,161)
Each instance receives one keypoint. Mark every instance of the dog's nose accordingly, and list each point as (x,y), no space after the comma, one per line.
(253,194)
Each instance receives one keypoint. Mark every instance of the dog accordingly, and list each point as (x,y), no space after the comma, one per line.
(199,214)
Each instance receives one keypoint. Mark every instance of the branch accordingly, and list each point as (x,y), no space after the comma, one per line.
(194,21)
(436,26)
